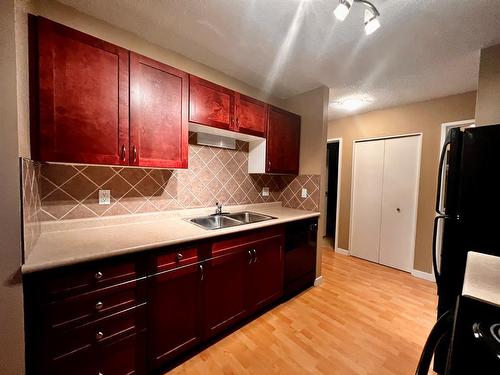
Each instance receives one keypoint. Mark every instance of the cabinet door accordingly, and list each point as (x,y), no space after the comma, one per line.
(225,291)
(174,312)
(283,142)
(83,98)
(158,114)
(123,357)
(265,282)
(251,115)
(210,104)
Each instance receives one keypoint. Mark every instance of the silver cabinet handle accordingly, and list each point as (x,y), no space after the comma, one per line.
(98,275)
(123,152)
(134,153)
(202,272)
(99,305)
(254,255)
(250,257)
(99,335)
(179,256)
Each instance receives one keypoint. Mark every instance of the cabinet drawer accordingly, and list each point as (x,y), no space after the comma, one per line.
(124,356)
(239,242)
(99,332)
(177,258)
(79,309)
(79,279)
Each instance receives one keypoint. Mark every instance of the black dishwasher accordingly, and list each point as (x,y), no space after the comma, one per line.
(300,255)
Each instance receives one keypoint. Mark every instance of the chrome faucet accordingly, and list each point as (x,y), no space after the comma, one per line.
(218,208)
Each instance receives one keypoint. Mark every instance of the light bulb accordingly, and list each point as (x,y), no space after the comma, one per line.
(371,22)
(343,9)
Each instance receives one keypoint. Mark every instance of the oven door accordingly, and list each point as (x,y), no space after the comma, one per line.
(475,344)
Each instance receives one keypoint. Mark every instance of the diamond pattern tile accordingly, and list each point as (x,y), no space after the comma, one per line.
(55,191)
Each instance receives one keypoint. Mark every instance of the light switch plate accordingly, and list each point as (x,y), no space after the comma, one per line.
(303,194)
(265,191)
(104,196)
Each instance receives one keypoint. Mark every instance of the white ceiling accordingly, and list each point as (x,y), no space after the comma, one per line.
(424,49)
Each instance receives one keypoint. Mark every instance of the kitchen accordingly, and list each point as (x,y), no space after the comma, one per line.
(131,230)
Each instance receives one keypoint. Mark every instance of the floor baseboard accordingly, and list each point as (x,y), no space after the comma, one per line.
(423,275)
(342,251)
(318,281)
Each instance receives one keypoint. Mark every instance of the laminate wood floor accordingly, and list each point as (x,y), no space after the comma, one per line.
(363,319)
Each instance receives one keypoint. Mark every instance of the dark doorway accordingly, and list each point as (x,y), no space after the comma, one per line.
(331,194)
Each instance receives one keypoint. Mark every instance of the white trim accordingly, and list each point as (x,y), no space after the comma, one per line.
(318,281)
(339,178)
(342,251)
(423,275)
(417,191)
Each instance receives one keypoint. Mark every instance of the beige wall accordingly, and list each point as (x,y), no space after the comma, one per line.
(312,106)
(424,117)
(11,297)
(90,25)
(488,92)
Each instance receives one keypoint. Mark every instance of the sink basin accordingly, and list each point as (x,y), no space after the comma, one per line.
(228,220)
(215,222)
(249,217)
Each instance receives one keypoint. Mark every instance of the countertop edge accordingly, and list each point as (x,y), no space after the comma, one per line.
(39,267)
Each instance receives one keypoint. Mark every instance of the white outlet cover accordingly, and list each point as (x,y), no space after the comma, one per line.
(303,194)
(104,197)
(265,191)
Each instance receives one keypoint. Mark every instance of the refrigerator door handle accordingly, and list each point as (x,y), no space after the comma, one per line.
(437,274)
(440,176)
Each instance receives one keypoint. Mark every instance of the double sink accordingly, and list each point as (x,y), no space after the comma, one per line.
(226,220)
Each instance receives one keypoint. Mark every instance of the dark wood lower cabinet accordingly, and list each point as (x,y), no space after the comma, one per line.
(174,310)
(144,320)
(225,291)
(265,280)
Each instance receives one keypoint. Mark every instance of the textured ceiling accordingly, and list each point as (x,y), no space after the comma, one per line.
(424,49)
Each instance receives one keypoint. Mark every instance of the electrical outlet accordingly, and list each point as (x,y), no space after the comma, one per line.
(265,191)
(303,194)
(104,196)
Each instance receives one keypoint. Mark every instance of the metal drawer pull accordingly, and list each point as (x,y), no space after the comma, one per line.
(254,255)
(179,256)
(202,272)
(99,305)
(250,257)
(98,275)
(99,335)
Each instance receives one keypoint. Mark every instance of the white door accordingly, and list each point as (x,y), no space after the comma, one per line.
(366,199)
(399,202)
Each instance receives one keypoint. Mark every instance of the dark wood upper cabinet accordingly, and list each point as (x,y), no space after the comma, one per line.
(158,114)
(83,92)
(283,142)
(251,115)
(210,104)
(175,297)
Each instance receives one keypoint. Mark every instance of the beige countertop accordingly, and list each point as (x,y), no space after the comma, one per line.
(482,278)
(74,241)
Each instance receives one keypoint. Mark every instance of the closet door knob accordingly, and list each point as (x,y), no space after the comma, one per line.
(398,209)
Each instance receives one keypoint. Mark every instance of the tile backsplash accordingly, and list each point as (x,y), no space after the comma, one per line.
(64,191)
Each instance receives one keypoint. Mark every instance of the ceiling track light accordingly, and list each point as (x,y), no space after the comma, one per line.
(371,14)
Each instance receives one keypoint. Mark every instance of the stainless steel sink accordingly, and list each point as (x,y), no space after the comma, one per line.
(249,217)
(228,220)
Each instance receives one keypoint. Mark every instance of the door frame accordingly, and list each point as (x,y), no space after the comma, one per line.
(325,209)
(420,136)
(445,127)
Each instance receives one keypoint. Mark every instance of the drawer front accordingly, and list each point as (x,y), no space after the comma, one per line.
(65,341)
(79,279)
(76,310)
(239,242)
(176,258)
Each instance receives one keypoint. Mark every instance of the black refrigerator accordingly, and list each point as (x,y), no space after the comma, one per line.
(469,212)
